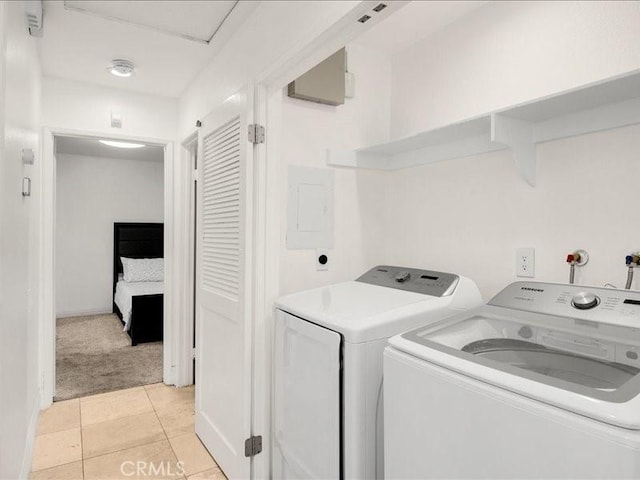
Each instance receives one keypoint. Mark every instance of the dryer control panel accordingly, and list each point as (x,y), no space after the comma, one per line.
(427,282)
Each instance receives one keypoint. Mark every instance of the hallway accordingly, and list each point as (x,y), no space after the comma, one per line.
(142,432)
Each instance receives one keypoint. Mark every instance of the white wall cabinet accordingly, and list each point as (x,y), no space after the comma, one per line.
(604,105)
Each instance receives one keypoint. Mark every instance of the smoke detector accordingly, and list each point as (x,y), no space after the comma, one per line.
(121,68)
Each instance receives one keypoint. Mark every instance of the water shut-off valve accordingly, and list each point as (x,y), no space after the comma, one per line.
(632,260)
(577,258)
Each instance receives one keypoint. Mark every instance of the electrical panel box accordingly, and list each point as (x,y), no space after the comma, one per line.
(310,208)
(324,83)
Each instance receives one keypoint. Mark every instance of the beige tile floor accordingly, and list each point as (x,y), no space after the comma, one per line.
(143,432)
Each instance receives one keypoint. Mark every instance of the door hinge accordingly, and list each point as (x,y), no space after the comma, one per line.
(193,353)
(253,446)
(256,133)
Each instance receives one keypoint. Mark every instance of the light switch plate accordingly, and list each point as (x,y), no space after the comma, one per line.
(26,187)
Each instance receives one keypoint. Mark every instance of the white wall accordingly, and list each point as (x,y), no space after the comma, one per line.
(92,194)
(79,106)
(263,43)
(82,106)
(469,215)
(307,130)
(507,53)
(19,119)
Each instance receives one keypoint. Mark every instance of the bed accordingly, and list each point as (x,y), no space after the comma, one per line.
(139,305)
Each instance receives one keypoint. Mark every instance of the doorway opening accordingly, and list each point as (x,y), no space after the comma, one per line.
(108,253)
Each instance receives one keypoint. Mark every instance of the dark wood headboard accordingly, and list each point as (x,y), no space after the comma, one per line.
(136,240)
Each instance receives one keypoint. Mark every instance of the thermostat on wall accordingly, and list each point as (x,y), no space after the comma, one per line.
(28,157)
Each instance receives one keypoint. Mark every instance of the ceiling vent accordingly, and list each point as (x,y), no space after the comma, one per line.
(33,9)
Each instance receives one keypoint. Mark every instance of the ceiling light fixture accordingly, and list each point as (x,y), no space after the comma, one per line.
(121,68)
(113,143)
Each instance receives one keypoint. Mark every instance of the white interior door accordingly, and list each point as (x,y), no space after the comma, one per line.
(223,297)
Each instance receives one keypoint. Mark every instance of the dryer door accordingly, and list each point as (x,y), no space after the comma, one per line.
(307,384)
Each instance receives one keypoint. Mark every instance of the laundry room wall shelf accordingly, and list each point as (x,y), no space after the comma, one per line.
(604,105)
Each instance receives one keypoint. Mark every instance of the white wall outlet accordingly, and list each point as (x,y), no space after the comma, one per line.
(525,262)
(322,259)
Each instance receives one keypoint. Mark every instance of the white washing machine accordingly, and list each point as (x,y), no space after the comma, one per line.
(542,382)
(328,366)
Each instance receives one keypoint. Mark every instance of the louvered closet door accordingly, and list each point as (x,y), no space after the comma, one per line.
(223,328)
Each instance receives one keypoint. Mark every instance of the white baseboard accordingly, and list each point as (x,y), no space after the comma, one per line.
(27,460)
(83,313)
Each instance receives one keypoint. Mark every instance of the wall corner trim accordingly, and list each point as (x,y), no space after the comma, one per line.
(27,458)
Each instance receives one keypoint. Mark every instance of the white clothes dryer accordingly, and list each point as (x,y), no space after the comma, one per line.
(542,382)
(328,366)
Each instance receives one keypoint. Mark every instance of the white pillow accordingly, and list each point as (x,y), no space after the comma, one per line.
(143,269)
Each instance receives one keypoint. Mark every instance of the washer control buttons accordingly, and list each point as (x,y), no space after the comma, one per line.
(403,276)
(585,300)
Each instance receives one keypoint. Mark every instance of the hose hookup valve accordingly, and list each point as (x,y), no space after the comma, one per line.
(576,259)
(632,260)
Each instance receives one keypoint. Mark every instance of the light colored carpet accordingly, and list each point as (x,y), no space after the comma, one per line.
(94,355)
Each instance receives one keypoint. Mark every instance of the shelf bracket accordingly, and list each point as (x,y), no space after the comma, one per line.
(517,134)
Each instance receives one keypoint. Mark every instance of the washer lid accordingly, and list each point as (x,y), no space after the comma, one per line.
(362,312)
(587,367)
